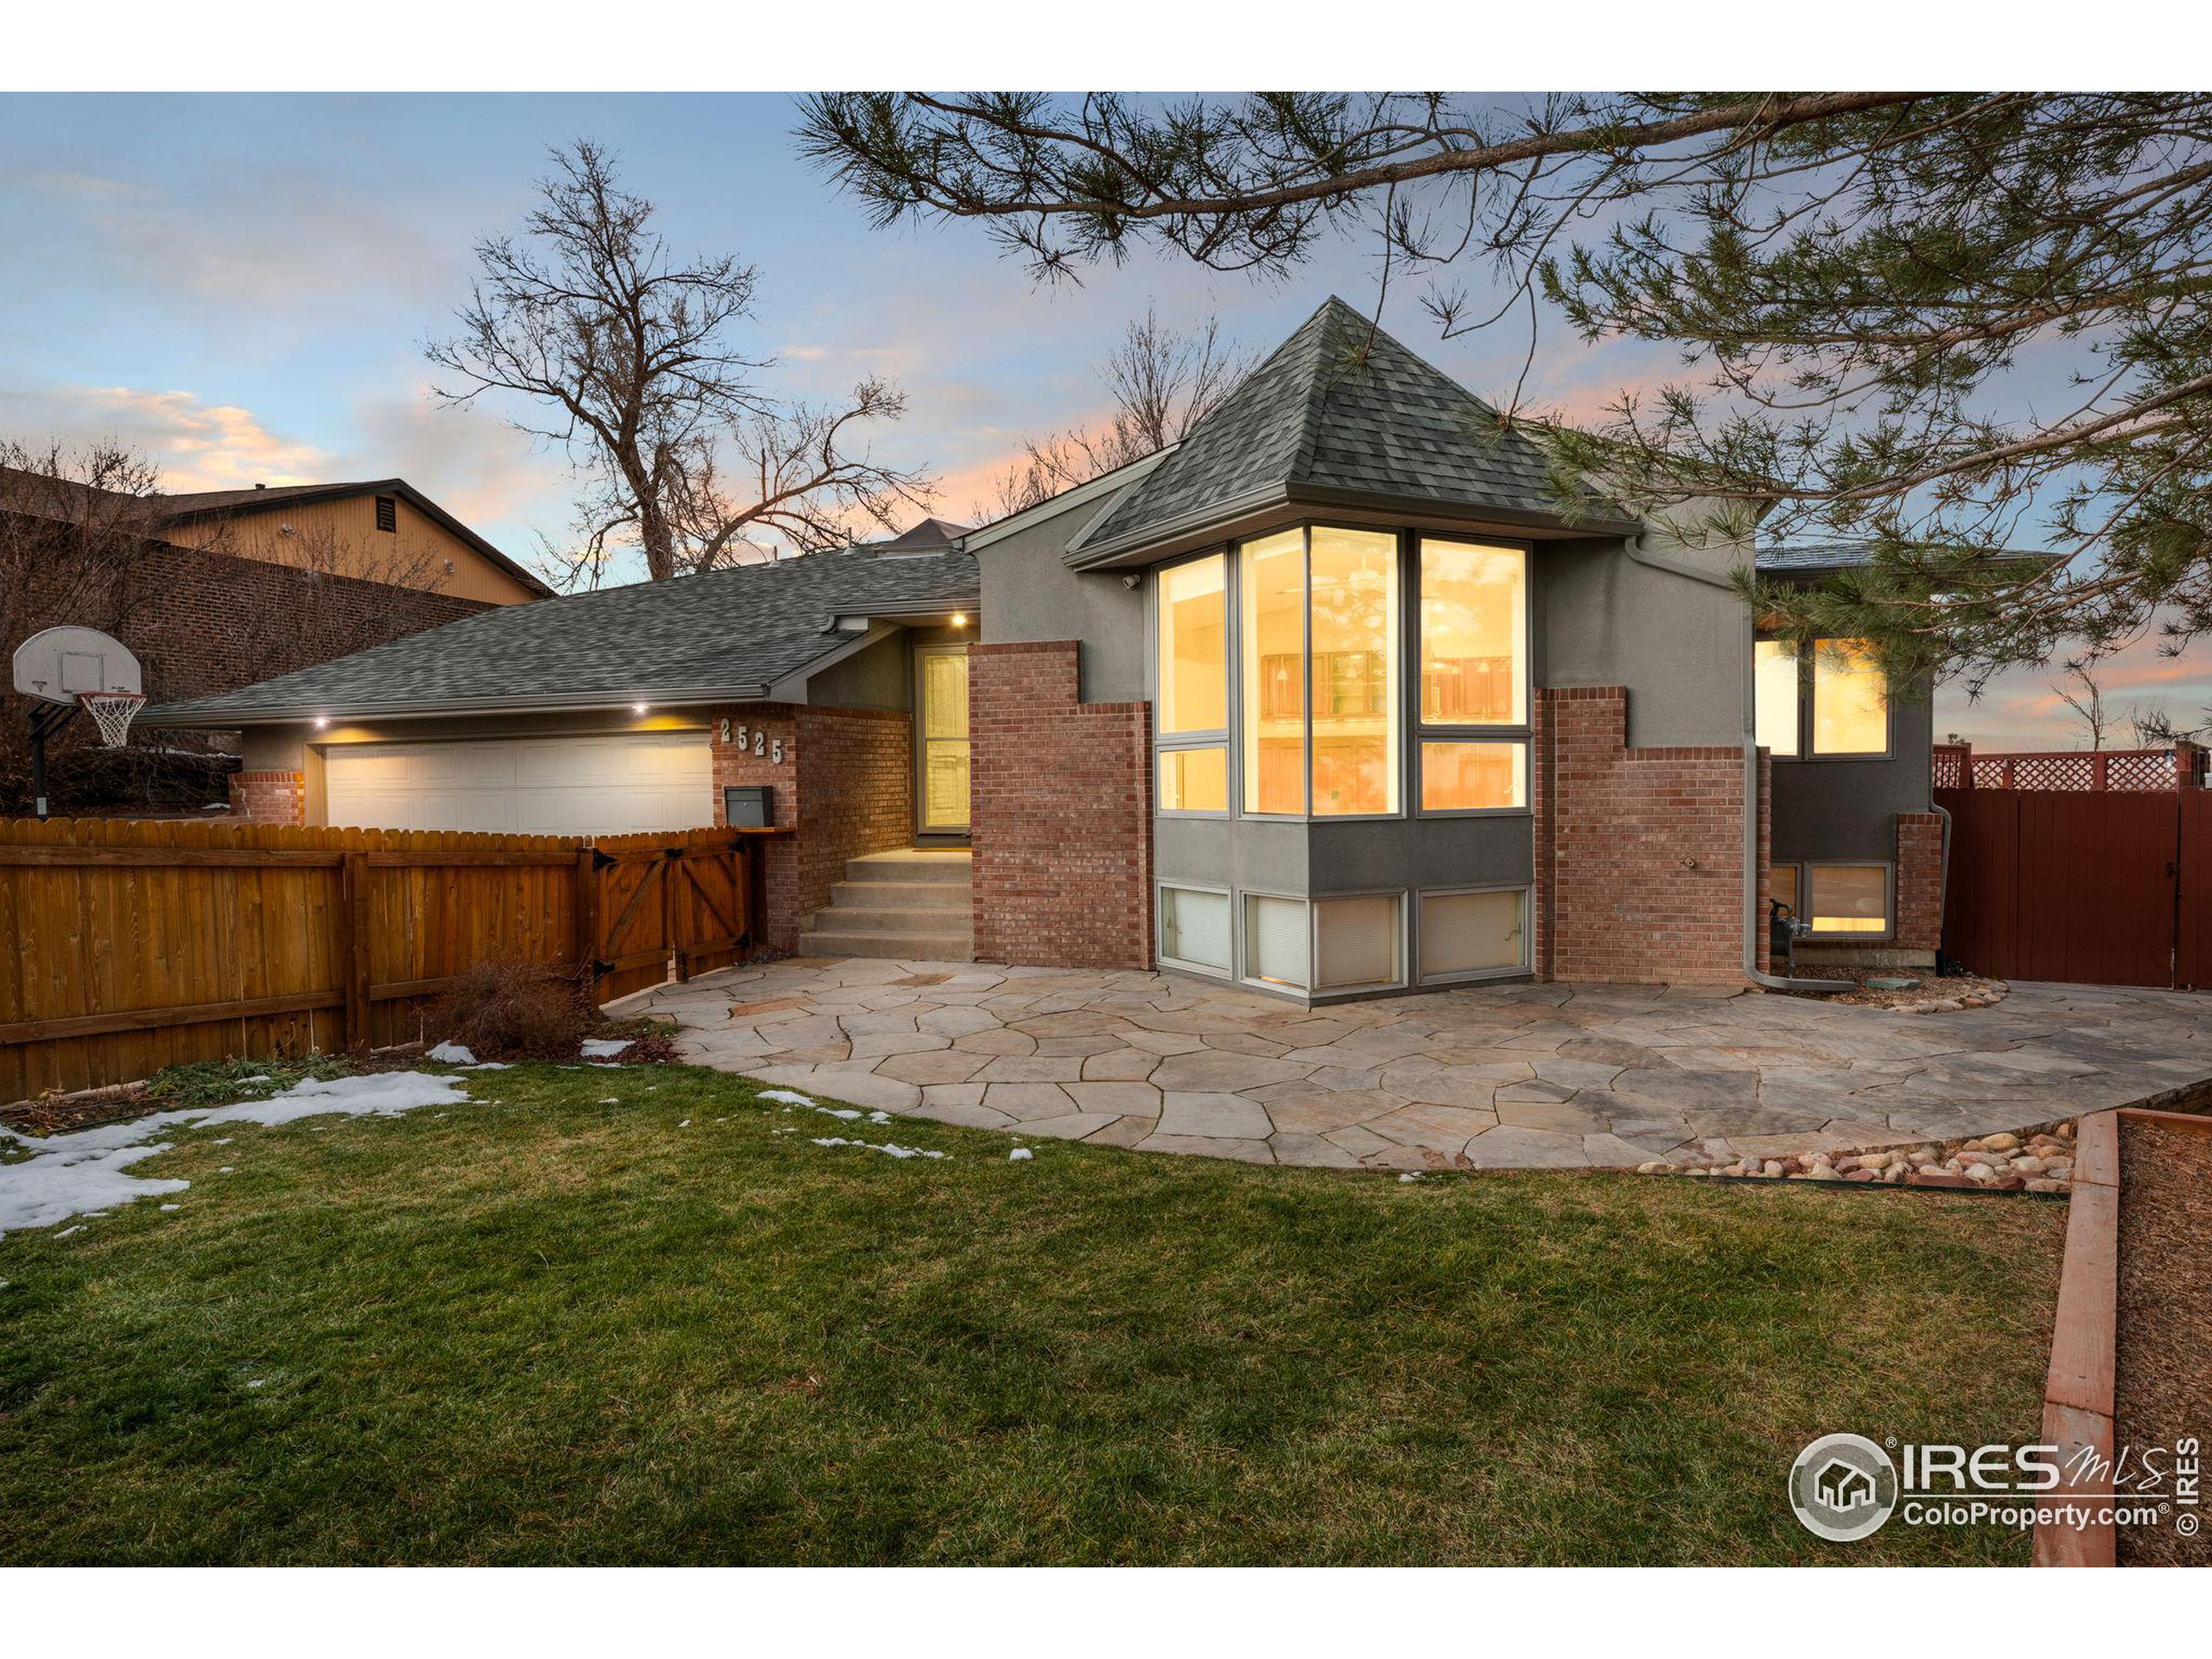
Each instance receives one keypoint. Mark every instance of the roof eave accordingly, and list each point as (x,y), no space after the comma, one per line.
(1156,541)
(586,702)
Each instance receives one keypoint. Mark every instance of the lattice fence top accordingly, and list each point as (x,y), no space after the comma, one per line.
(2137,770)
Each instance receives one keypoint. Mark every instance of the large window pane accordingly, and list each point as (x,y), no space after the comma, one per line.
(1781,888)
(1194,927)
(1355,587)
(1272,579)
(1194,647)
(1774,695)
(1471,933)
(1850,701)
(1194,780)
(1275,946)
(1849,898)
(1474,609)
(1356,942)
(1473,776)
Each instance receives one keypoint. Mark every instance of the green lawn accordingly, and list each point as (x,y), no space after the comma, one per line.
(554,1330)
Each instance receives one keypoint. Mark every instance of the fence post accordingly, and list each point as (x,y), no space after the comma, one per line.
(2188,761)
(670,934)
(586,909)
(354,962)
(2099,772)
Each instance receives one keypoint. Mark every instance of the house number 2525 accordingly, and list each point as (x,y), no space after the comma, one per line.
(757,741)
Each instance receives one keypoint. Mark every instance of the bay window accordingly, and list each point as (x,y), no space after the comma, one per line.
(1474,676)
(1192,642)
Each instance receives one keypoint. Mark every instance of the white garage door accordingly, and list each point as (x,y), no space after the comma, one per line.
(549,786)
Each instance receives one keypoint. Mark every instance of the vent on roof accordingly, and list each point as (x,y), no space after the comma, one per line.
(388,513)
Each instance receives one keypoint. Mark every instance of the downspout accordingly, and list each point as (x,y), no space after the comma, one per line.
(1753,922)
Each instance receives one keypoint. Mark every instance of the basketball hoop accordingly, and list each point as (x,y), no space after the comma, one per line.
(112,712)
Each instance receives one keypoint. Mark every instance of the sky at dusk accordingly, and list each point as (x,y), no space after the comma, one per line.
(241,286)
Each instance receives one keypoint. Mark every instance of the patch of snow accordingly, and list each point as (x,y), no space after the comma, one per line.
(68,1175)
(611,1101)
(892,1147)
(452,1053)
(1019,1155)
(878,1117)
(258,1077)
(599,1048)
(845,1112)
(489,1065)
(172,1206)
(227,1169)
(789,1097)
(685,1124)
(1410,1175)
(65,1231)
(224,1142)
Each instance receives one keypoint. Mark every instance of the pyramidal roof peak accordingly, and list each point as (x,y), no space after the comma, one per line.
(1340,408)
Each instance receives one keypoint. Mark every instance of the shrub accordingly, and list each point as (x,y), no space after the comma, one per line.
(505,1011)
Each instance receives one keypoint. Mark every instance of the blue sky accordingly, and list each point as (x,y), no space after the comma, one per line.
(241,286)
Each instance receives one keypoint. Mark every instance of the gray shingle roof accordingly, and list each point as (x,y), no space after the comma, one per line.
(1340,406)
(730,634)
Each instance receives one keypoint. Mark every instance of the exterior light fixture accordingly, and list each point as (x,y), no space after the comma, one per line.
(321,721)
(638,708)
(959,621)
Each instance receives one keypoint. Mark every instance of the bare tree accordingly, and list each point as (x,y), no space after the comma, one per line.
(2088,702)
(1164,381)
(627,350)
(2154,728)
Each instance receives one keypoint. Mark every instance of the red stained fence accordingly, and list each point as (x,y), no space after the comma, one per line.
(2094,886)
(1957,766)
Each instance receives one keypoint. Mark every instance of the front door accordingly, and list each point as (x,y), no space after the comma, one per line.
(941,740)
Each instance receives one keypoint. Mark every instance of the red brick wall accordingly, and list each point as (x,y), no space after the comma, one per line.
(1639,852)
(204,622)
(845,784)
(1920,882)
(1063,813)
(269,796)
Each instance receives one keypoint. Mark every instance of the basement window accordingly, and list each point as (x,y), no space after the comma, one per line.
(1194,929)
(1847,899)
(1467,935)
(388,513)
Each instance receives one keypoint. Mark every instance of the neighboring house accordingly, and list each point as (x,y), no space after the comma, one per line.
(217,590)
(1331,699)
(383,531)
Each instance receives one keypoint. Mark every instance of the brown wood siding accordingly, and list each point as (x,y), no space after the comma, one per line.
(342,537)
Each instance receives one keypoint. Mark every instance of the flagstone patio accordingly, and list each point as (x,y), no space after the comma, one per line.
(1490,1078)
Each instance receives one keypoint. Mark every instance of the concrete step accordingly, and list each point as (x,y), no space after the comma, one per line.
(902,895)
(883,919)
(911,866)
(903,947)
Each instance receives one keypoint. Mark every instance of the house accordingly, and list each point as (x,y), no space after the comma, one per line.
(215,591)
(1341,696)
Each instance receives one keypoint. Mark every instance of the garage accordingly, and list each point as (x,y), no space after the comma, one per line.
(622,783)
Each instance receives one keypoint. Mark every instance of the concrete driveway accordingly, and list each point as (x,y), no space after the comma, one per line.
(1500,1077)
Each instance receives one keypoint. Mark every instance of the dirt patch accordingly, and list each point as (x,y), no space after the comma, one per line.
(2162,1379)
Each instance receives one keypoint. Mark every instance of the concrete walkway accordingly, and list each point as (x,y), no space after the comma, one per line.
(1502,1077)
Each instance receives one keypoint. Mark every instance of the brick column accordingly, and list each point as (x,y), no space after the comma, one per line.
(269,796)
(843,782)
(1639,852)
(1062,797)
(1920,882)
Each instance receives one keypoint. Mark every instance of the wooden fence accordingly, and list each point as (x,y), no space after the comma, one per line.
(2100,889)
(127,945)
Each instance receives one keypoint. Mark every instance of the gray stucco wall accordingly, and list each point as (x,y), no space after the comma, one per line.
(1847,808)
(1029,595)
(1682,647)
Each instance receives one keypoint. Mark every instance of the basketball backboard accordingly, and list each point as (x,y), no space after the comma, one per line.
(56,664)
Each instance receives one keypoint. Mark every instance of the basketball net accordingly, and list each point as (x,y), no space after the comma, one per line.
(112,712)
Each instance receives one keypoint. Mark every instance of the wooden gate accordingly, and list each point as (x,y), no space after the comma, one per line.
(2095,887)
(691,901)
